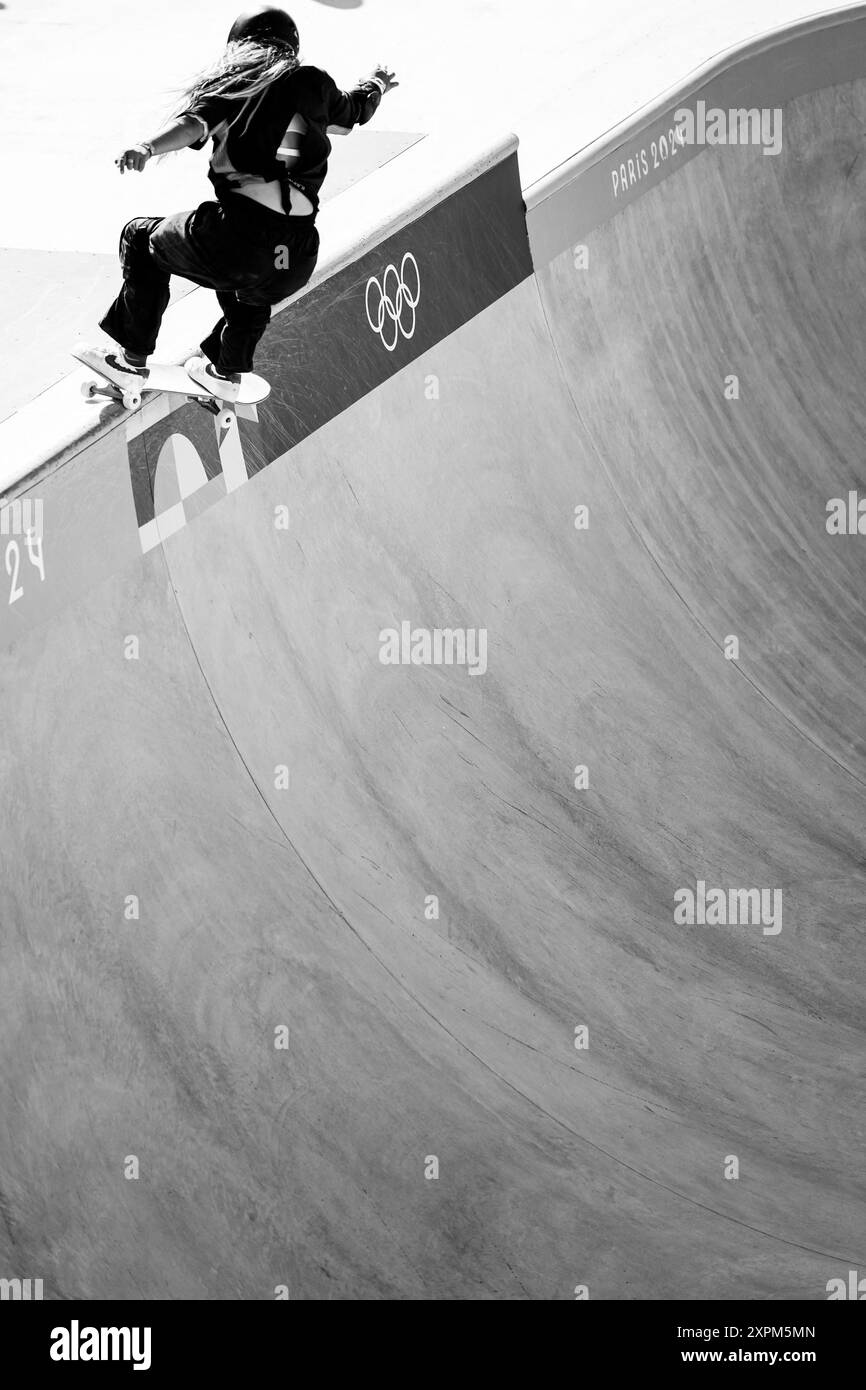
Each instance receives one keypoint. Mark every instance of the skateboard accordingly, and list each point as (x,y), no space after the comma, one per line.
(165,376)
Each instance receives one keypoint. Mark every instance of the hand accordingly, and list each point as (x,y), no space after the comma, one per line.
(383,73)
(134,158)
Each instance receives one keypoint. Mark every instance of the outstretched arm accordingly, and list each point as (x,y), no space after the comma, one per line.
(178,135)
(348,109)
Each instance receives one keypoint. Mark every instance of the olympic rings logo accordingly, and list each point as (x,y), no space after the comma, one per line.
(391,308)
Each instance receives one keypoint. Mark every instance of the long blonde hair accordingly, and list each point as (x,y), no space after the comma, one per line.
(245,70)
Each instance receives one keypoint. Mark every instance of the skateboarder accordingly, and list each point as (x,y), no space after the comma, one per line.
(268,117)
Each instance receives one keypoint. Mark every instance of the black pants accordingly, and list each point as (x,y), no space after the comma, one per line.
(251,256)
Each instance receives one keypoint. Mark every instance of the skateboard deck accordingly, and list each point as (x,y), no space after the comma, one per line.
(164,376)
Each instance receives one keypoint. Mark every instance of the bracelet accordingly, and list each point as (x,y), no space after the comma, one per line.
(146,145)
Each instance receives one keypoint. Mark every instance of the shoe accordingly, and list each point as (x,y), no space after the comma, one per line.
(227,388)
(119,362)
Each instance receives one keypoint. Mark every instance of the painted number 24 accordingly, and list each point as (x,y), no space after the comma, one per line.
(13,562)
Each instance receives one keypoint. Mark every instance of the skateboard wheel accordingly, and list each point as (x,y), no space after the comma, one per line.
(89,389)
(131,400)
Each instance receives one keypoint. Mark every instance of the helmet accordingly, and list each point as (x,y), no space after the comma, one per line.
(266,24)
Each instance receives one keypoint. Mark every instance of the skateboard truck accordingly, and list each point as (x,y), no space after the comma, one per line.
(131,399)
